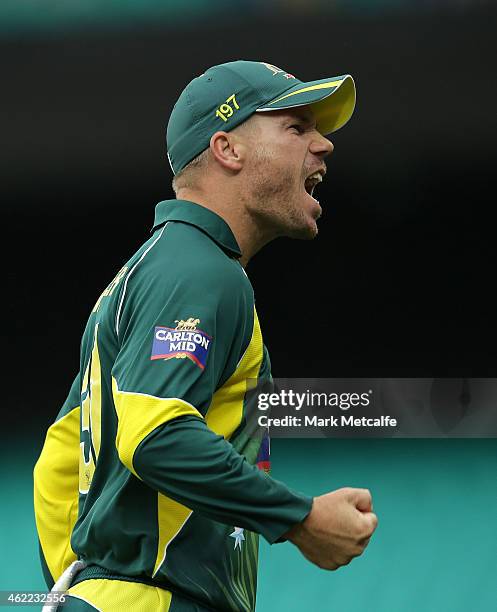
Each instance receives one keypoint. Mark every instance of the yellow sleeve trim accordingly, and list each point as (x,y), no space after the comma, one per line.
(56,476)
(171,518)
(226,410)
(139,414)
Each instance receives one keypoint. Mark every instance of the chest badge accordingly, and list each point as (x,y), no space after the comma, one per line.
(185,341)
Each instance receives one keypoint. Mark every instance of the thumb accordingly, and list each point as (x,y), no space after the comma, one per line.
(372,520)
(363,500)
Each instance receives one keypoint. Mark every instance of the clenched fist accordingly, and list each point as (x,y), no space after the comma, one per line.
(337,529)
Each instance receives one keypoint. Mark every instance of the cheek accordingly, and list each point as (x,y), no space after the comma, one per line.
(276,171)
(289,166)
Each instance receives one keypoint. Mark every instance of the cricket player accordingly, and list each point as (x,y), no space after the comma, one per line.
(152,486)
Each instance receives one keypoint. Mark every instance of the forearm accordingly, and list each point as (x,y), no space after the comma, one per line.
(186,461)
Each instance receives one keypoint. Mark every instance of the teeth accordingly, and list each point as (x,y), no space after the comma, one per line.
(311,181)
(316,176)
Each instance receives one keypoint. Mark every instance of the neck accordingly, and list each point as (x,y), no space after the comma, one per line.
(249,234)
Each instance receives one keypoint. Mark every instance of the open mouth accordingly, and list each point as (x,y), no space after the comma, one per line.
(312,180)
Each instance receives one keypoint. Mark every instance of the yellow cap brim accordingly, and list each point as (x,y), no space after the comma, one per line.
(331,100)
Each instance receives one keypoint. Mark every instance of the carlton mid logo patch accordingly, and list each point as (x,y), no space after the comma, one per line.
(184,341)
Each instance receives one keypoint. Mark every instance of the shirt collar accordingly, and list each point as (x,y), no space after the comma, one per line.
(199,216)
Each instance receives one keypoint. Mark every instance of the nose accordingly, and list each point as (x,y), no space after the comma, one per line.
(321,146)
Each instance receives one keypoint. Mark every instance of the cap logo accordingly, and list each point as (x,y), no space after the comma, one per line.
(275,70)
(226,110)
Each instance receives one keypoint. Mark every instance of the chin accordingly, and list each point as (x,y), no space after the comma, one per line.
(311,231)
(305,232)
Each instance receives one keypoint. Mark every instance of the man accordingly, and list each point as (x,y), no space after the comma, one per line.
(148,474)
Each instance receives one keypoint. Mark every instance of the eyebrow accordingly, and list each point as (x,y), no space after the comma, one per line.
(308,120)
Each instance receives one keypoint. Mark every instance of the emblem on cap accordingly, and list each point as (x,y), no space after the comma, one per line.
(275,70)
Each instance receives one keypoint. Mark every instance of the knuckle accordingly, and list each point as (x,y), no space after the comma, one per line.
(361,548)
(327,564)
(363,530)
(366,493)
(368,532)
(347,557)
(370,525)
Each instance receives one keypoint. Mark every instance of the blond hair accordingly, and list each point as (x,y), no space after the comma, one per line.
(188,176)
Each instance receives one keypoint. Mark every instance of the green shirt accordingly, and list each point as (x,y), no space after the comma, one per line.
(161,415)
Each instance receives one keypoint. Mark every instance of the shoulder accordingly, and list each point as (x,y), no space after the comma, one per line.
(184,254)
(183,264)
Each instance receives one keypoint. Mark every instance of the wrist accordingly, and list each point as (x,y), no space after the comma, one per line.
(296,533)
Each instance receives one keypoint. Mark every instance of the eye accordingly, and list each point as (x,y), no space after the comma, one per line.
(299,127)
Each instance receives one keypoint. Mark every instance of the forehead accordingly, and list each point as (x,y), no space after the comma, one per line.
(301,113)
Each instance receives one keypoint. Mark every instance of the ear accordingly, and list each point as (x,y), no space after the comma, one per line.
(227,151)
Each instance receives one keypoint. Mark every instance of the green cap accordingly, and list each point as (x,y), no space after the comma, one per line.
(228,94)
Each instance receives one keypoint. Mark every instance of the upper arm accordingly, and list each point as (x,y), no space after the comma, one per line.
(183,336)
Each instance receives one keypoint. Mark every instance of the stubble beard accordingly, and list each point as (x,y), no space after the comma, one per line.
(273,199)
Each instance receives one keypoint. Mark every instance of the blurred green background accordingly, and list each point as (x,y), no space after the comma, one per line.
(28,16)
(434,549)
(407,245)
